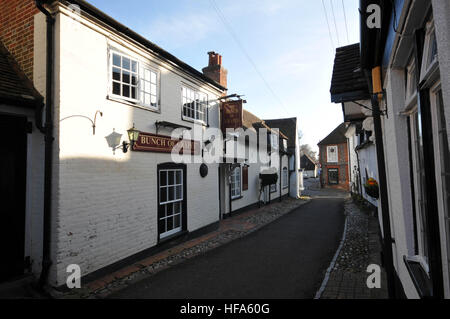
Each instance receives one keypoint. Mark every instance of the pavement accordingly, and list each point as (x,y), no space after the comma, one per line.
(346,277)
(285,259)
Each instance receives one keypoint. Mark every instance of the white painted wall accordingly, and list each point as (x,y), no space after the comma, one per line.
(105,205)
(353,160)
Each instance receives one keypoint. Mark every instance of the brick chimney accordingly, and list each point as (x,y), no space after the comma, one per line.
(215,71)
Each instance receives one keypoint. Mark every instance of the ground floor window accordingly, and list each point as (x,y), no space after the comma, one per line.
(273,188)
(236,182)
(418,166)
(333,176)
(285,177)
(171,209)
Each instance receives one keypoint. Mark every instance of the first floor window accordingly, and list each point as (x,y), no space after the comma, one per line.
(171,199)
(133,81)
(195,104)
(285,177)
(236,182)
(332,154)
(148,88)
(124,77)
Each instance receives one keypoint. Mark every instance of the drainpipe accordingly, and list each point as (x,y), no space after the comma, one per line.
(387,240)
(281,164)
(46,260)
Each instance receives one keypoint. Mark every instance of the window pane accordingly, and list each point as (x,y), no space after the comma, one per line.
(116,88)
(153,78)
(178,177)
(171,191)
(126,63)
(147,99)
(116,74)
(177,221)
(178,194)
(134,79)
(162,178)
(163,194)
(170,223)
(134,66)
(153,100)
(126,90)
(133,92)
(147,75)
(116,60)
(126,77)
(169,209)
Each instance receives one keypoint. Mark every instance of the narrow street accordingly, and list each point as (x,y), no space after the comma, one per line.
(285,259)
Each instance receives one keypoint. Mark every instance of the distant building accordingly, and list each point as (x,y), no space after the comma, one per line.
(289,127)
(309,166)
(333,158)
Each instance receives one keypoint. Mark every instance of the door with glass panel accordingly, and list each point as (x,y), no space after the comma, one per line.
(171,201)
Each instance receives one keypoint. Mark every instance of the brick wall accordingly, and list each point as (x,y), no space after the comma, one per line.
(17,31)
(342,166)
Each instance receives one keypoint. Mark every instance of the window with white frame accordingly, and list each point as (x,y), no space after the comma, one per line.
(274,141)
(133,81)
(444,162)
(332,154)
(411,80)
(170,201)
(195,105)
(430,53)
(285,177)
(419,184)
(236,182)
(148,87)
(124,77)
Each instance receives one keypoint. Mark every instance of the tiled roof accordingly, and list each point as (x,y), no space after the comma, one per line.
(287,127)
(307,162)
(251,121)
(348,82)
(15,87)
(335,137)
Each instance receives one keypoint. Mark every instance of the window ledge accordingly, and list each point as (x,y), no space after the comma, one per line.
(139,106)
(237,198)
(188,119)
(419,277)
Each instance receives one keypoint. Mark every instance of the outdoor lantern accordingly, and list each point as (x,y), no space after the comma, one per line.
(133,135)
(113,140)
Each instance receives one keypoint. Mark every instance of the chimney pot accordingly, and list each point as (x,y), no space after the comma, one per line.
(214,70)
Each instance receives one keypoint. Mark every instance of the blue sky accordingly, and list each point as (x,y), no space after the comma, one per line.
(287,40)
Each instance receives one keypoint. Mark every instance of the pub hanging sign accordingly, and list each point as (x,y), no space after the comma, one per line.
(231,115)
(149,142)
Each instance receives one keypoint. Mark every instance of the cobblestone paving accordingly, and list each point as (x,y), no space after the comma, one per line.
(361,248)
(230,229)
